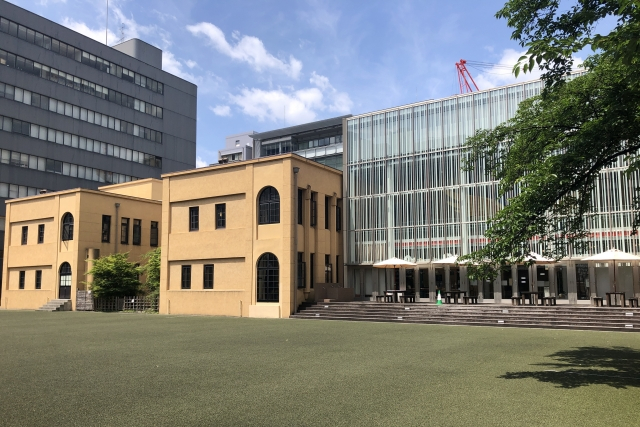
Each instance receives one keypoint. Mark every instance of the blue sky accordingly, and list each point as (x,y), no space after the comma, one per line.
(262,64)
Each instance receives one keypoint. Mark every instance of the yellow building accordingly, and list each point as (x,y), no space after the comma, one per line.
(50,239)
(251,238)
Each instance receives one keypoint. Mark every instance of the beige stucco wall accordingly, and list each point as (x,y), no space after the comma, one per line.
(87,208)
(234,251)
(149,188)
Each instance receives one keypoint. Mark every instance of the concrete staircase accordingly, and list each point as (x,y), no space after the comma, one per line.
(556,317)
(57,305)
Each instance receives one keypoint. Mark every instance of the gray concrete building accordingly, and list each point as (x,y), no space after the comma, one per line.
(77,113)
(237,147)
(320,141)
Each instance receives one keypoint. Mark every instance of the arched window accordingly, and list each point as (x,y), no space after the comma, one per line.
(269,206)
(67,227)
(268,278)
(65,281)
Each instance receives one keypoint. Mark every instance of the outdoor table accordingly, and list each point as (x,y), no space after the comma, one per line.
(395,293)
(531,295)
(455,295)
(616,296)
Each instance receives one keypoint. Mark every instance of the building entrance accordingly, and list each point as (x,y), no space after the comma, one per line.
(64,290)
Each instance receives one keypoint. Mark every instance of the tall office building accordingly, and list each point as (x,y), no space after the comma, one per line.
(319,141)
(408,197)
(77,113)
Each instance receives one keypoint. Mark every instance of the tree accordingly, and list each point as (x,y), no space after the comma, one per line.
(551,153)
(114,275)
(152,269)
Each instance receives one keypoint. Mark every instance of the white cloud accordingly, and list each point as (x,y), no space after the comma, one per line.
(501,74)
(83,29)
(291,107)
(221,110)
(247,49)
(318,16)
(340,102)
(172,65)
(189,63)
(48,2)
(200,163)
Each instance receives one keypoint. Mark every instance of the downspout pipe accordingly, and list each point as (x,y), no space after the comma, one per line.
(295,239)
(116,232)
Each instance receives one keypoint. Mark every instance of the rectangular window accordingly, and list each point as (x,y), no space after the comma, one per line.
(328,269)
(194,218)
(185,280)
(221,215)
(38,279)
(311,270)
(338,218)
(153,239)
(327,205)
(207,282)
(40,233)
(300,205)
(21,280)
(25,234)
(137,232)
(124,231)
(106,228)
(314,209)
(301,270)
(337,268)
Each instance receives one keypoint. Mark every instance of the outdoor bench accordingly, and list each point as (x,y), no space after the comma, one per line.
(469,299)
(408,298)
(516,300)
(596,301)
(633,302)
(548,300)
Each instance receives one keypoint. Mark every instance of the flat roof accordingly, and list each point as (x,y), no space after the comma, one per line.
(80,190)
(306,127)
(252,161)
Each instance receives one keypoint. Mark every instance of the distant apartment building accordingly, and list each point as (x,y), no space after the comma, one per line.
(237,147)
(52,239)
(77,113)
(319,141)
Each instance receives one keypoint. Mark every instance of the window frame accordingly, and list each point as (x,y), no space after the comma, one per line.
(194,218)
(67,227)
(24,235)
(106,233)
(313,212)
(40,234)
(137,232)
(124,231)
(154,234)
(268,268)
(327,210)
(301,206)
(208,276)
(21,279)
(185,277)
(38,281)
(269,206)
(221,215)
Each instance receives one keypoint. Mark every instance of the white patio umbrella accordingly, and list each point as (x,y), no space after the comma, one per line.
(453,259)
(538,259)
(394,263)
(614,255)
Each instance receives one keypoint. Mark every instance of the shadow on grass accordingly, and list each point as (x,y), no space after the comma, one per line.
(617,367)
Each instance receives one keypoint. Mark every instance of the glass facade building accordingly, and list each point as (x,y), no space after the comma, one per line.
(408,197)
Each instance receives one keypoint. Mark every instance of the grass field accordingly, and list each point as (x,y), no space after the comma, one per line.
(79,369)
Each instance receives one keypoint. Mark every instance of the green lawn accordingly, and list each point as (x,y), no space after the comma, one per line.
(134,369)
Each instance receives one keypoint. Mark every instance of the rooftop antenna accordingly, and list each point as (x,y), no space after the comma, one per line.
(121,33)
(106,30)
(284,115)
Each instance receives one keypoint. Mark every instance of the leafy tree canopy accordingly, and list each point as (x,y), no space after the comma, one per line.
(549,156)
(114,275)
(152,269)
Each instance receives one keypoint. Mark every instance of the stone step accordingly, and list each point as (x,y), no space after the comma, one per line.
(584,318)
(56,305)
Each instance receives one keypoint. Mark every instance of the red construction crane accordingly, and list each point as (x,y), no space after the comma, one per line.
(463,73)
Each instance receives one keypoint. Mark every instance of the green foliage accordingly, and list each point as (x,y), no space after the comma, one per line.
(152,269)
(114,275)
(549,156)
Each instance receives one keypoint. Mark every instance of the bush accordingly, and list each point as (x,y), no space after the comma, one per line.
(115,276)
(151,286)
